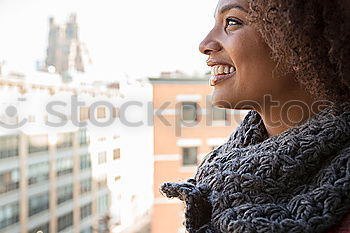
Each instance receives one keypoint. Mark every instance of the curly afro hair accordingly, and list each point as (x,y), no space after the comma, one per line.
(310,39)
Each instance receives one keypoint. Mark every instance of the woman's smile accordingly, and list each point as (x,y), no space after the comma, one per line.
(220,72)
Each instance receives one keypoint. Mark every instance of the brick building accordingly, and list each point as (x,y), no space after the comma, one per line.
(186,128)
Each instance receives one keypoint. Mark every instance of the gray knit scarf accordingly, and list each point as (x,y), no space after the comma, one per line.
(298,181)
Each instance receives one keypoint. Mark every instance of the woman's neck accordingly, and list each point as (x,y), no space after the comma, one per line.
(284,114)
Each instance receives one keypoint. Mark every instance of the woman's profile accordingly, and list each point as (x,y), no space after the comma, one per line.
(287,166)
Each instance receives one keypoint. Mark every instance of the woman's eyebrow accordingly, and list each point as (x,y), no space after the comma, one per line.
(231,6)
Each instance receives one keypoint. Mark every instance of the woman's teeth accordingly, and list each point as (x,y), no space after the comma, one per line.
(222,69)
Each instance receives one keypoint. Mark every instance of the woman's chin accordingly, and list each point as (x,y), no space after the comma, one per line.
(221,102)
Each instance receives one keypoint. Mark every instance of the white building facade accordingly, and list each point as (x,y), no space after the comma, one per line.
(69,160)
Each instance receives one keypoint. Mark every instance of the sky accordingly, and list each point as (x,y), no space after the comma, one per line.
(134,38)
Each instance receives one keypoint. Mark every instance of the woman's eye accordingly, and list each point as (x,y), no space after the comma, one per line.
(233,22)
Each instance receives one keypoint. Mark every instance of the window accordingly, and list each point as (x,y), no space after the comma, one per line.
(102,204)
(115,112)
(64,193)
(219,114)
(83,137)
(116,154)
(85,161)
(118,211)
(102,226)
(64,140)
(38,172)
(64,221)
(189,156)
(101,112)
(85,186)
(85,211)
(84,114)
(9,180)
(45,228)
(189,111)
(9,214)
(64,166)
(86,230)
(38,203)
(37,143)
(102,157)
(102,183)
(9,146)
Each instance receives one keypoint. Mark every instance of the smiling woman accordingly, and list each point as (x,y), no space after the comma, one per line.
(239,56)
(286,168)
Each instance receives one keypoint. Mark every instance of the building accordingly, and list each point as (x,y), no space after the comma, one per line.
(136,167)
(186,128)
(67,146)
(65,52)
(67,168)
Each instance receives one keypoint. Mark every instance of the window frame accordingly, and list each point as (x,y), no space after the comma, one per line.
(116,156)
(40,208)
(102,157)
(216,109)
(62,222)
(193,104)
(184,154)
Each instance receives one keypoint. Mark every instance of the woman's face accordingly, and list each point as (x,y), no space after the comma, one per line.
(242,70)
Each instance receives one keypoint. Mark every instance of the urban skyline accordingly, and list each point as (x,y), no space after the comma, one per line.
(118,49)
(65,170)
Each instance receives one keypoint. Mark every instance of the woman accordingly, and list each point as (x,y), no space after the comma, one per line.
(287,166)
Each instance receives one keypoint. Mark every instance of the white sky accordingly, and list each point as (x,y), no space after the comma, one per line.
(134,37)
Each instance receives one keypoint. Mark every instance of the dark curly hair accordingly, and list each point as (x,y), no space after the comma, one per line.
(310,38)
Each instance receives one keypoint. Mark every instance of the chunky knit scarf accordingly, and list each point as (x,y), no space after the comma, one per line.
(298,181)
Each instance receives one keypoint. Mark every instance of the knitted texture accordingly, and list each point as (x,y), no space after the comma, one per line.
(298,181)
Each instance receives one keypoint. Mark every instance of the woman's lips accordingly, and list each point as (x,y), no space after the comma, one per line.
(220,72)
(216,79)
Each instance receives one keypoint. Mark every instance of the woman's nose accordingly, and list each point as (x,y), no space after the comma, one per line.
(208,45)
